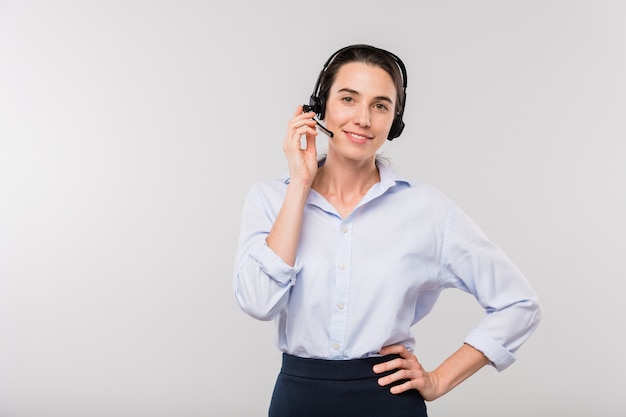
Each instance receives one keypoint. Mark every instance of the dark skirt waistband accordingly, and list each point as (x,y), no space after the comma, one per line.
(333,370)
(339,388)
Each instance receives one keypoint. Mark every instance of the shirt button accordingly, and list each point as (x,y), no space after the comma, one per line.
(336,346)
(344,229)
(340,306)
(343,266)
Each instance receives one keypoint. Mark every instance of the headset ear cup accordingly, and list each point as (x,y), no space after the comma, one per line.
(321,110)
(396,128)
(317,105)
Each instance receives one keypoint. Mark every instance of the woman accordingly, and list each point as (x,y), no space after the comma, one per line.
(345,255)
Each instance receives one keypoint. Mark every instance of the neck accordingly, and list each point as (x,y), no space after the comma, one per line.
(344,184)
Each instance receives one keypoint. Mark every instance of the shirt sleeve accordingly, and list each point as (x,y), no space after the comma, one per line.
(262,280)
(476,265)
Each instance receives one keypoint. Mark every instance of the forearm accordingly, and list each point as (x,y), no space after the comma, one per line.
(284,235)
(462,364)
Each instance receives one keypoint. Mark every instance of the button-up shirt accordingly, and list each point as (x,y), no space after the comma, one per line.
(361,282)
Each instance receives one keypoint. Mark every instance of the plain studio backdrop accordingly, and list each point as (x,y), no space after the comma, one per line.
(131,131)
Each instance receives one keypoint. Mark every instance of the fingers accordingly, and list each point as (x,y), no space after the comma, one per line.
(301,124)
(299,116)
(407,378)
(400,388)
(301,133)
(406,359)
(300,119)
(294,141)
(300,111)
(407,368)
(388,366)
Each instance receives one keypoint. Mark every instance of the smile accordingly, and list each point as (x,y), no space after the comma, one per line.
(357,137)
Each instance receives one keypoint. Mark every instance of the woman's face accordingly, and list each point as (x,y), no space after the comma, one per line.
(360,110)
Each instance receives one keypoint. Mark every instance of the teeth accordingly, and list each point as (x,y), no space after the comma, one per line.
(358,136)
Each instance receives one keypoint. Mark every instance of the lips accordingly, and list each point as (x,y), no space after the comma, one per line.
(358,137)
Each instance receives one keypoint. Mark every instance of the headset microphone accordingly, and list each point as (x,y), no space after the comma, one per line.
(307,108)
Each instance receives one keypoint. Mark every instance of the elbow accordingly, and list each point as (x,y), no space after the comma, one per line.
(255,307)
(529,317)
(538,313)
(258,294)
(257,311)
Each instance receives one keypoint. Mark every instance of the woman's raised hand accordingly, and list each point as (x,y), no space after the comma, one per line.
(302,163)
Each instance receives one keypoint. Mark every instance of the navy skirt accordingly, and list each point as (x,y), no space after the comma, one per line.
(339,388)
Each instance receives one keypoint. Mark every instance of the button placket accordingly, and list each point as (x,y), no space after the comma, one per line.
(339,316)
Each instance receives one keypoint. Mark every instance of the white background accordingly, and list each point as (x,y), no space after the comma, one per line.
(130,132)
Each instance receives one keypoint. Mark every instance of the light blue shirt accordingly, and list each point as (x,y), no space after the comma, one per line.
(360,283)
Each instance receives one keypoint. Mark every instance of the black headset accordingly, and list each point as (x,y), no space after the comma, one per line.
(318,104)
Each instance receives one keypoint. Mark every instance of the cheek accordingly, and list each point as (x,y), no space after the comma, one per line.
(383,122)
(336,114)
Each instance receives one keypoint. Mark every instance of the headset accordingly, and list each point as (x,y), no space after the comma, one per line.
(317,104)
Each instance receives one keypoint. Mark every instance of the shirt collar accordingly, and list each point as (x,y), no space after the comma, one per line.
(389,176)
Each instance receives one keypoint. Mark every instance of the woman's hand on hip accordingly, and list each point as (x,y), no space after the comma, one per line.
(407,368)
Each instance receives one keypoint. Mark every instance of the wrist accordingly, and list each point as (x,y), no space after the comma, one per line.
(298,190)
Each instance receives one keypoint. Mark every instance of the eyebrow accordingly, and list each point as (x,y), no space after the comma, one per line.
(351,91)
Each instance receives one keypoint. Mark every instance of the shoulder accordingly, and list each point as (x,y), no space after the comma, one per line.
(270,190)
(409,189)
(273,184)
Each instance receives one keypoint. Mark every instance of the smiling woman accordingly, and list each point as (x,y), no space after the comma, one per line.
(346,255)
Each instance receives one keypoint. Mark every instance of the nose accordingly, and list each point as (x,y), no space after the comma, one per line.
(362,116)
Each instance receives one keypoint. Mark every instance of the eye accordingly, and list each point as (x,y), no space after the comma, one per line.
(347,99)
(381,107)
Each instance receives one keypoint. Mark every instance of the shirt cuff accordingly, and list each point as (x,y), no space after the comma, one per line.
(274,266)
(499,356)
